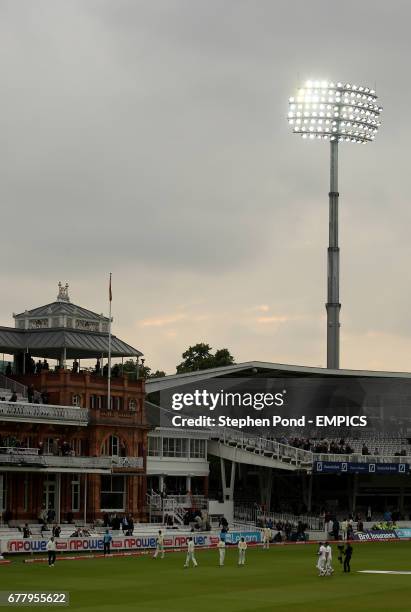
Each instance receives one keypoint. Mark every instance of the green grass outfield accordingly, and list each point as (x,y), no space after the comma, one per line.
(282,578)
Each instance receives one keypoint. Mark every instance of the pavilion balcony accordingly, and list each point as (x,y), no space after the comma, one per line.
(29,459)
(43,413)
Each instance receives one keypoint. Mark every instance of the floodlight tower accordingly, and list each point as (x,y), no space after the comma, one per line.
(336,112)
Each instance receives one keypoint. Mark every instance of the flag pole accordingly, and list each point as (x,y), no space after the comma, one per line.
(109,350)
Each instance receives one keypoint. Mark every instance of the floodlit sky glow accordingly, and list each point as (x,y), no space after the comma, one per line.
(150,140)
(332,111)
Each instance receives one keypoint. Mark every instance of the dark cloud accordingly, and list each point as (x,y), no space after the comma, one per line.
(150,139)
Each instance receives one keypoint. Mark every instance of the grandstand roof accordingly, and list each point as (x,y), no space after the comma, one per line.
(50,342)
(260,368)
(67,308)
(47,330)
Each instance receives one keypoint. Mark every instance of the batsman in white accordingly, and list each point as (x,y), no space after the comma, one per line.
(321,559)
(159,546)
(266,537)
(242,547)
(221,551)
(328,560)
(190,554)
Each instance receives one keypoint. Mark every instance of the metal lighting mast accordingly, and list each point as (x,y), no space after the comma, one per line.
(334,112)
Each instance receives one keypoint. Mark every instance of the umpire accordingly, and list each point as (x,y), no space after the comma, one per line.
(347,557)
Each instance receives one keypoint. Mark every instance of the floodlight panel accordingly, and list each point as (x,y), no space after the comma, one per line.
(335,111)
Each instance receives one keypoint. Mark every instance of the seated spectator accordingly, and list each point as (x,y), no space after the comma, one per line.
(124,523)
(76,533)
(365,450)
(56,531)
(13,397)
(65,448)
(26,531)
(51,515)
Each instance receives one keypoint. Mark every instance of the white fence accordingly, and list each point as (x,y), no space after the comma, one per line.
(43,413)
(255,516)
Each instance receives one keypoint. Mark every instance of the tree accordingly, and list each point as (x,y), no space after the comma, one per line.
(130,368)
(157,374)
(200,357)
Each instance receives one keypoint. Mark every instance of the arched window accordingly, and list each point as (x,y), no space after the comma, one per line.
(132,404)
(113,447)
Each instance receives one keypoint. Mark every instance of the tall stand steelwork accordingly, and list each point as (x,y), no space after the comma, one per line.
(333,305)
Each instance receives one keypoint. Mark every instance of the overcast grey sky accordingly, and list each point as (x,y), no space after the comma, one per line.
(149,139)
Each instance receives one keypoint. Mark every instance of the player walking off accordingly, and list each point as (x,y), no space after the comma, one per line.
(266,537)
(106,542)
(51,551)
(347,558)
(321,560)
(159,546)
(328,560)
(242,547)
(221,551)
(344,529)
(190,554)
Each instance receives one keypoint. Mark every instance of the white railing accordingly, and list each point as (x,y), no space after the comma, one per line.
(358,458)
(171,502)
(55,461)
(253,515)
(77,462)
(18,450)
(20,455)
(127,462)
(12,385)
(294,455)
(17,387)
(190,501)
(264,447)
(21,411)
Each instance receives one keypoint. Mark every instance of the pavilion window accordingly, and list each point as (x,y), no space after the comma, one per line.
(118,403)
(111,447)
(174,447)
(76,400)
(112,496)
(3,492)
(154,446)
(26,494)
(75,494)
(49,446)
(197,449)
(38,323)
(76,446)
(132,404)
